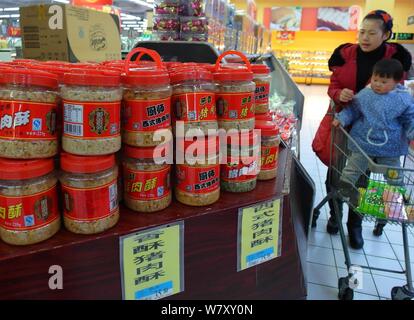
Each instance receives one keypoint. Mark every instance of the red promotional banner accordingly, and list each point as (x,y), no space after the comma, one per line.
(92,2)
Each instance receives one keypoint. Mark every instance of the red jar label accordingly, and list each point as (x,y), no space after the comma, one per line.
(269,156)
(239,171)
(198,180)
(27,120)
(90,204)
(261,95)
(235,106)
(29,212)
(195,107)
(85,120)
(146,115)
(147,185)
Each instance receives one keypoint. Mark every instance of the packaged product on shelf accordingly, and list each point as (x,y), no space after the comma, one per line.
(240,172)
(223,12)
(208,8)
(193,8)
(287,125)
(198,178)
(171,7)
(28,102)
(28,201)
(147,102)
(166,35)
(270,141)
(90,193)
(195,37)
(146,179)
(216,10)
(231,11)
(193,99)
(166,22)
(193,24)
(235,94)
(263,79)
(92,112)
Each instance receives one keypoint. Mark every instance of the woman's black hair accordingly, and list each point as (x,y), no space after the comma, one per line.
(385,18)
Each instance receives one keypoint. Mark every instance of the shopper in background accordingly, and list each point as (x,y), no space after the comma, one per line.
(351,66)
(382,119)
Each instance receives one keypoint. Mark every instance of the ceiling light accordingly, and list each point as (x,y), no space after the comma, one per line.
(11,9)
(4,16)
(61,1)
(15,15)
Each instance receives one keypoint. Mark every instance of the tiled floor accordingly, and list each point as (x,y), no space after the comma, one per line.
(326,262)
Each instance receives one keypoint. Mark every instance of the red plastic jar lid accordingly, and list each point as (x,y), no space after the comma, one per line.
(260,69)
(268,128)
(92,78)
(201,146)
(26,77)
(146,153)
(172,64)
(84,65)
(264,117)
(58,70)
(120,62)
(24,61)
(146,76)
(209,67)
(25,169)
(57,63)
(233,74)
(85,164)
(190,74)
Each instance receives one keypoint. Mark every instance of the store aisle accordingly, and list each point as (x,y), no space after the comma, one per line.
(325,254)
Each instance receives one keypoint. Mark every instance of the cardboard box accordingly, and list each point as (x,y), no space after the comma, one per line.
(68,33)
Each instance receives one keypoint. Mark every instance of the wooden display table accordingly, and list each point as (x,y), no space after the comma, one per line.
(91,264)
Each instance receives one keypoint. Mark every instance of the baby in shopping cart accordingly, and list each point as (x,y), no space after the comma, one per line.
(382,119)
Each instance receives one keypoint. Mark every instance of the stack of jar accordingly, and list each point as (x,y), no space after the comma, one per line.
(28,141)
(235,109)
(200,97)
(270,135)
(180,20)
(197,162)
(146,134)
(91,100)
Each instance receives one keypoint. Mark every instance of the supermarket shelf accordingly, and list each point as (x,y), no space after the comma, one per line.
(91,264)
(309,80)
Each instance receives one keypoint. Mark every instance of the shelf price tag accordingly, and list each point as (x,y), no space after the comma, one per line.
(152,263)
(259,233)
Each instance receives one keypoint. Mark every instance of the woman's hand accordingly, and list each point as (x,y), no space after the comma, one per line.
(336,123)
(346,95)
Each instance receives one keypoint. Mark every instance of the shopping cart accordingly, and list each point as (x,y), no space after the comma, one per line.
(387,194)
